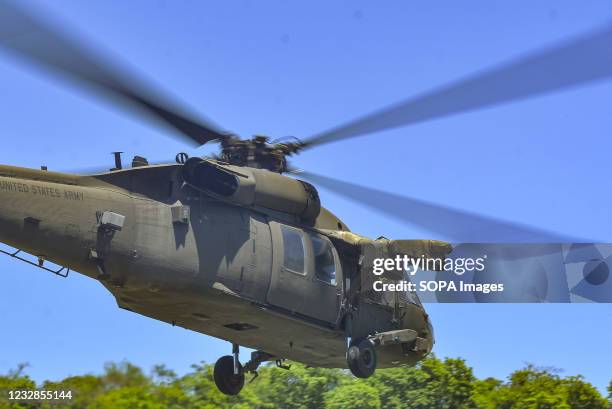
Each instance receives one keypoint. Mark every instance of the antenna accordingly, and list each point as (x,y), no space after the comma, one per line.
(118,164)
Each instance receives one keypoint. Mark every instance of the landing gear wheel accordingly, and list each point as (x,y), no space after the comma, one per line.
(226,380)
(361,358)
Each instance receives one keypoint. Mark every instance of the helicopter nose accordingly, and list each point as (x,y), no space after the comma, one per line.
(426,336)
(430,332)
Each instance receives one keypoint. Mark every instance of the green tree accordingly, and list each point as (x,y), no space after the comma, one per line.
(489,393)
(122,375)
(84,389)
(434,383)
(16,380)
(583,395)
(533,388)
(536,388)
(163,375)
(297,388)
(355,395)
(202,393)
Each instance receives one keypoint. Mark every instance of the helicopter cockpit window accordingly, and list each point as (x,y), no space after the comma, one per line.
(325,265)
(293,245)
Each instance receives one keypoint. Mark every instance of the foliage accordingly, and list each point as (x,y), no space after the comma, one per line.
(536,388)
(360,396)
(433,384)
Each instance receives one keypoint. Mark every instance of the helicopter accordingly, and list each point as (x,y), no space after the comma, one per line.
(237,246)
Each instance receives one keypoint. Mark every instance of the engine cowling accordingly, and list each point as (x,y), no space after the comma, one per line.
(253,187)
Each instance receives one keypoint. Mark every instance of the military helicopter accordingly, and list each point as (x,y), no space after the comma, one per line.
(237,246)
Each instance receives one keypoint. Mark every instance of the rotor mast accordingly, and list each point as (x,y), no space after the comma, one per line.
(257,152)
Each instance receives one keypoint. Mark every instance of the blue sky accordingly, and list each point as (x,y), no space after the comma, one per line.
(283,68)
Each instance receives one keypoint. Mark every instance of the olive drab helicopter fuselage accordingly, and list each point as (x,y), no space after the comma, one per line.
(243,254)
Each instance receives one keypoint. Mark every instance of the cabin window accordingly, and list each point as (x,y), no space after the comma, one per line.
(293,245)
(325,264)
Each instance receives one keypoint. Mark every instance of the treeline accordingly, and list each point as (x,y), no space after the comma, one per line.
(433,384)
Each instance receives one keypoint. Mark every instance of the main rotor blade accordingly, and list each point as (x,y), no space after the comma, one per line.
(578,61)
(40,44)
(447,223)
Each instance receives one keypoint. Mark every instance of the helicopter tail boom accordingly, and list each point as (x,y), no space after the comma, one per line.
(52,216)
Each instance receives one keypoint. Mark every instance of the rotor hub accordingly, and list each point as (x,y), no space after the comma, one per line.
(258,152)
